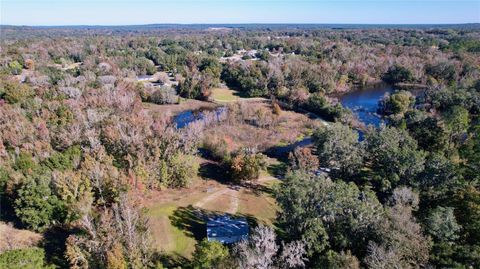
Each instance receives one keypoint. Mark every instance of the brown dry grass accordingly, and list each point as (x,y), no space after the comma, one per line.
(281,129)
(11,238)
(170,110)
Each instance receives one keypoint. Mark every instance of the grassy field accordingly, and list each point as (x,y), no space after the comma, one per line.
(224,95)
(177,219)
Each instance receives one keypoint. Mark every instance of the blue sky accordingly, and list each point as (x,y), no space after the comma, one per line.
(125,12)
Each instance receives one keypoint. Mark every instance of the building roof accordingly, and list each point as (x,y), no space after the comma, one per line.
(226,229)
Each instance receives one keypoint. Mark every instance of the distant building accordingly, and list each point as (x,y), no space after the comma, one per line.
(227,230)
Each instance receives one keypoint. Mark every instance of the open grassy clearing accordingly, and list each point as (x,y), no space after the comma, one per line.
(224,95)
(176,215)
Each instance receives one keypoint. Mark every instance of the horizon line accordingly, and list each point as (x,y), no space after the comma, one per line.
(240,23)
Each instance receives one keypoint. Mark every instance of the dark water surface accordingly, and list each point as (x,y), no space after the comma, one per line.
(364,103)
(186,117)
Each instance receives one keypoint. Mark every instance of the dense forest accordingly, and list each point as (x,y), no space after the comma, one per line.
(89,133)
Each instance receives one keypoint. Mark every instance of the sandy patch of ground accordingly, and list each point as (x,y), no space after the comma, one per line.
(224,200)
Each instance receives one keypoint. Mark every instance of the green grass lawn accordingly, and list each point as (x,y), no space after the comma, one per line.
(167,237)
(224,95)
(177,226)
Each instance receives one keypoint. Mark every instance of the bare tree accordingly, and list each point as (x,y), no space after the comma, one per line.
(117,236)
(261,251)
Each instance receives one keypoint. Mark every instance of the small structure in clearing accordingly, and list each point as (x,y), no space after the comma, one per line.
(227,230)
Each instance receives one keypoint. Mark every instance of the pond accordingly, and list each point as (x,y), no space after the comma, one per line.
(364,103)
(186,117)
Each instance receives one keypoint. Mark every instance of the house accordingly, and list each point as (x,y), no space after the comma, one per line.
(227,230)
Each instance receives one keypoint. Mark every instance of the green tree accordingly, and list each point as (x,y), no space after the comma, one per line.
(400,242)
(442,224)
(64,160)
(209,254)
(325,214)
(470,152)
(318,104)
(28,258)
(393,157)
(245,165)
(456,121)
(442,71)
(398,74)
(15,67)
(397,103)
(428,131)
(182,169)
(36,205)
(338,149)
(211,65)
(439,177)
(14,92)
(467,211)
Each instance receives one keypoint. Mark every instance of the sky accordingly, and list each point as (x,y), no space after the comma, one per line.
(128,12)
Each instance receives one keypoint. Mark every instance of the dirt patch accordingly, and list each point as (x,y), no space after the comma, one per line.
(225,200)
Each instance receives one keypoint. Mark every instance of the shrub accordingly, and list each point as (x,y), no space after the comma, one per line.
(277,110)
(217,148)
(245,165)
(166,95)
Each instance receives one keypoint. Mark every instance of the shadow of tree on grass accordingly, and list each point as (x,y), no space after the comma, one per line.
(214,171)
(193,221)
